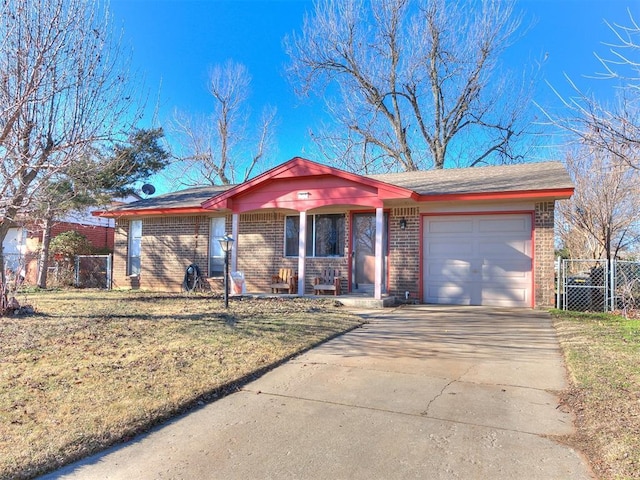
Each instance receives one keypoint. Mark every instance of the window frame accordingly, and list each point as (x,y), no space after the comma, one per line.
(134,268)
(214,246)
(311,243)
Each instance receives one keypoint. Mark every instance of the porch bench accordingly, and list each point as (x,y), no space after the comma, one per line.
(328,282)
(286,279)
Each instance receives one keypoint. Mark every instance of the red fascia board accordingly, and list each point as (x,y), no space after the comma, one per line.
(149,211)
(559,194)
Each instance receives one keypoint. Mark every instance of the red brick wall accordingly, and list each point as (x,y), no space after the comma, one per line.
(404,253)
(544,274)
(169,246)
(99,237)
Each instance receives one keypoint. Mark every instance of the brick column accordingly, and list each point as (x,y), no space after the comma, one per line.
(404,253)
(544,272)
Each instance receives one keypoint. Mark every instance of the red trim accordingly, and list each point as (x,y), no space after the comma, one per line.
(559,193)
(533,259)
(468,214)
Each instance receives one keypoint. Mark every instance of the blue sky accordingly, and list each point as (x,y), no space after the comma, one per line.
(175,42)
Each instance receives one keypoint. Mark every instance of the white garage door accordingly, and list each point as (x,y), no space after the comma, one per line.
(478,260)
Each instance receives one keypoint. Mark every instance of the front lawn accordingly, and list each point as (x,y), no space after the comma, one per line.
(90,369)
(602,353)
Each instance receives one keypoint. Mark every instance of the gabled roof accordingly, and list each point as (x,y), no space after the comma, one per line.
(528,180)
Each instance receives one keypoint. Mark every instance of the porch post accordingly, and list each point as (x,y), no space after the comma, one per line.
(302,252)
(235,220)
(377,288)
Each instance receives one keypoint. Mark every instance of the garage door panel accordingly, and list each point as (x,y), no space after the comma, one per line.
(504,297)
(503,225)
(443,249)
(491,265)
(450,226)
(449,269)
(450,294)
(514,272)
(503,249)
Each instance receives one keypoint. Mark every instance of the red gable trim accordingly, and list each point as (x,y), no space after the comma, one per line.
(297,169)
(558,194)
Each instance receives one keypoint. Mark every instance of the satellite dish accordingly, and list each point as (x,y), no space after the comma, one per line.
(148,189)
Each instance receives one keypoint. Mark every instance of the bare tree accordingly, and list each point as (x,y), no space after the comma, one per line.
(62,90)
(612,126)
(222,148)
(602,219)
(412,84)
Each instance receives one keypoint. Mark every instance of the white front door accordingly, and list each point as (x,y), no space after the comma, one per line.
(478,260)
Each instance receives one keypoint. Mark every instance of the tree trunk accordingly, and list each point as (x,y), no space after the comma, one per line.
(3,281)
(44,253)
(4,288)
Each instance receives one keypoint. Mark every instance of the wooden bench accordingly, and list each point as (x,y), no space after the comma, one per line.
(286,279)
(328,282)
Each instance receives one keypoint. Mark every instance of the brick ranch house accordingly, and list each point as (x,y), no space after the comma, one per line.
(469,236)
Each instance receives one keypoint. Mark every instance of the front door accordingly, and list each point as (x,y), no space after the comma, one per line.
(363,253)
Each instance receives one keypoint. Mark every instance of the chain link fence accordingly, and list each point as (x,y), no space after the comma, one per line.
(598,285)
(81,271)
(93,271)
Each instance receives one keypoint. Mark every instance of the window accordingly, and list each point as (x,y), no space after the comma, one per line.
(216,255)
(292,236)
(325,235)
(135,246)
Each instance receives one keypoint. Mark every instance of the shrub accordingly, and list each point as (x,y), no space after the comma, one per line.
(69,244)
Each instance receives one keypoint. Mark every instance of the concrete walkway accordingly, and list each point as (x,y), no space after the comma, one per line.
(420,392)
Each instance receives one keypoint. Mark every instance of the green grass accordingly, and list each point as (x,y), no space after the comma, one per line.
(94,368)
(602,353)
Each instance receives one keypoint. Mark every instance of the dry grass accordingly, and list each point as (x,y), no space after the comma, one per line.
(93,368)
(603,356)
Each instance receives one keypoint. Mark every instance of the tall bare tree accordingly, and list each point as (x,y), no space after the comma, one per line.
(62,91)
(412,84)
(222,148)
(602,219)
(613,125)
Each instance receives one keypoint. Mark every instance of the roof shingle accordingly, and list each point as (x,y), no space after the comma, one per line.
(504,178)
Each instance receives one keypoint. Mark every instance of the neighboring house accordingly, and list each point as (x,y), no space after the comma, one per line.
(472,236)
(14,248)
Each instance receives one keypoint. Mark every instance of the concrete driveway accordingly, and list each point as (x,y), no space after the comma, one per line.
(420,392)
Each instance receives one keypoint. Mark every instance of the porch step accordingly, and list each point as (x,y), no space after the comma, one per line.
(359,301)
